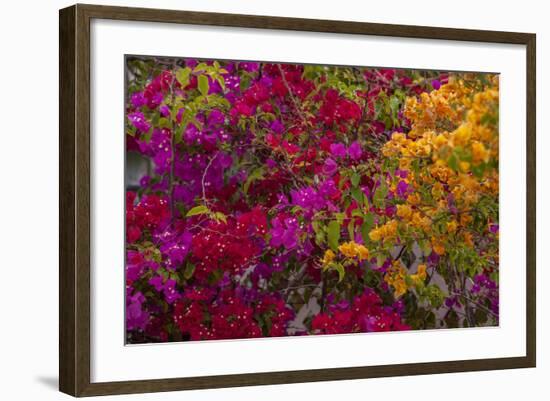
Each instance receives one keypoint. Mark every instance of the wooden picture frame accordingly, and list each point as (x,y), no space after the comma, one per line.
(74,200)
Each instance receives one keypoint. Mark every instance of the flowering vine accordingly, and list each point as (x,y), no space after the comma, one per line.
(286,199)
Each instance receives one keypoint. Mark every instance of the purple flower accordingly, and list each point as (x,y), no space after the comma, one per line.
(484,281)
(284,234)
(279,262)
(341,305)
(191,63)
(137,99)
(307,248)
(158,148)
(164,110)
(192,134)
(216,117)
(402,189)
(170,292)
(138,120)
(179,116)
(249,67)
(277,126)
(366,190)
(223,160)
(134,265)
(338,150)
(433,258)
(390,210)
(451,301)
(328,188)
(494,228)
(401,173)
(136,317)
(271,163)
(155,100)
(214,87)
(176,249)
(330,167)
(145,181)
(263,270)
(451,204)
(436,84)
(307,198)
(354,151)
(157,283)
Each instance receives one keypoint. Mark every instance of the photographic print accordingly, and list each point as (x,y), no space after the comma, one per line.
(270,199)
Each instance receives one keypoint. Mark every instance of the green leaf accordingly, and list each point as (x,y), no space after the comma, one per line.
(178,133)
(340,217)
(357,195)
(351,229)
(155,119)
(394,105)
(368,223)
(197,210)
(380,194)
(341,271)
(200,67)
(189,270)
(320,238)
(221,81)
(453,162)
(203,85)
(319,233)
(478,170)
(164,123)
(131,130)
(333,234)
(245,82)
(182,75)
(147,136)
(355,179)
(256,174)
(220,217)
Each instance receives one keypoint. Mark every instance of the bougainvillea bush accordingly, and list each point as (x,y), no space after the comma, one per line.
(287,200)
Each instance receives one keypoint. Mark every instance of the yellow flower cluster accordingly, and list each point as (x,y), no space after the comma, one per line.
(397,276)
(386,232)
(349,249)
(352,249)
(328,257)
(454,143)
(437,246)
(439,109)
(400,145)
(449,118)
(414,219)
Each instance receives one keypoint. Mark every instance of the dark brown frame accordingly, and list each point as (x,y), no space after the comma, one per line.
(74,199)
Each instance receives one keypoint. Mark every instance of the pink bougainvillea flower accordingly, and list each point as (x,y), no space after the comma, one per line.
(330,167)
(354,151)
(139,121)
(338,150)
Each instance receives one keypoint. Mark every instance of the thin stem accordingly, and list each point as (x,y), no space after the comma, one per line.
(172,148)
(204,178)
(477,304)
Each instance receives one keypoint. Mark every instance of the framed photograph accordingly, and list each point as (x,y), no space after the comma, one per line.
(249,200)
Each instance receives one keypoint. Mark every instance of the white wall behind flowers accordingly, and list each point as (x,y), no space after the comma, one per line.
(28,198)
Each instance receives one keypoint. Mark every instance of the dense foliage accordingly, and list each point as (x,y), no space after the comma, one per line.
(299,199)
